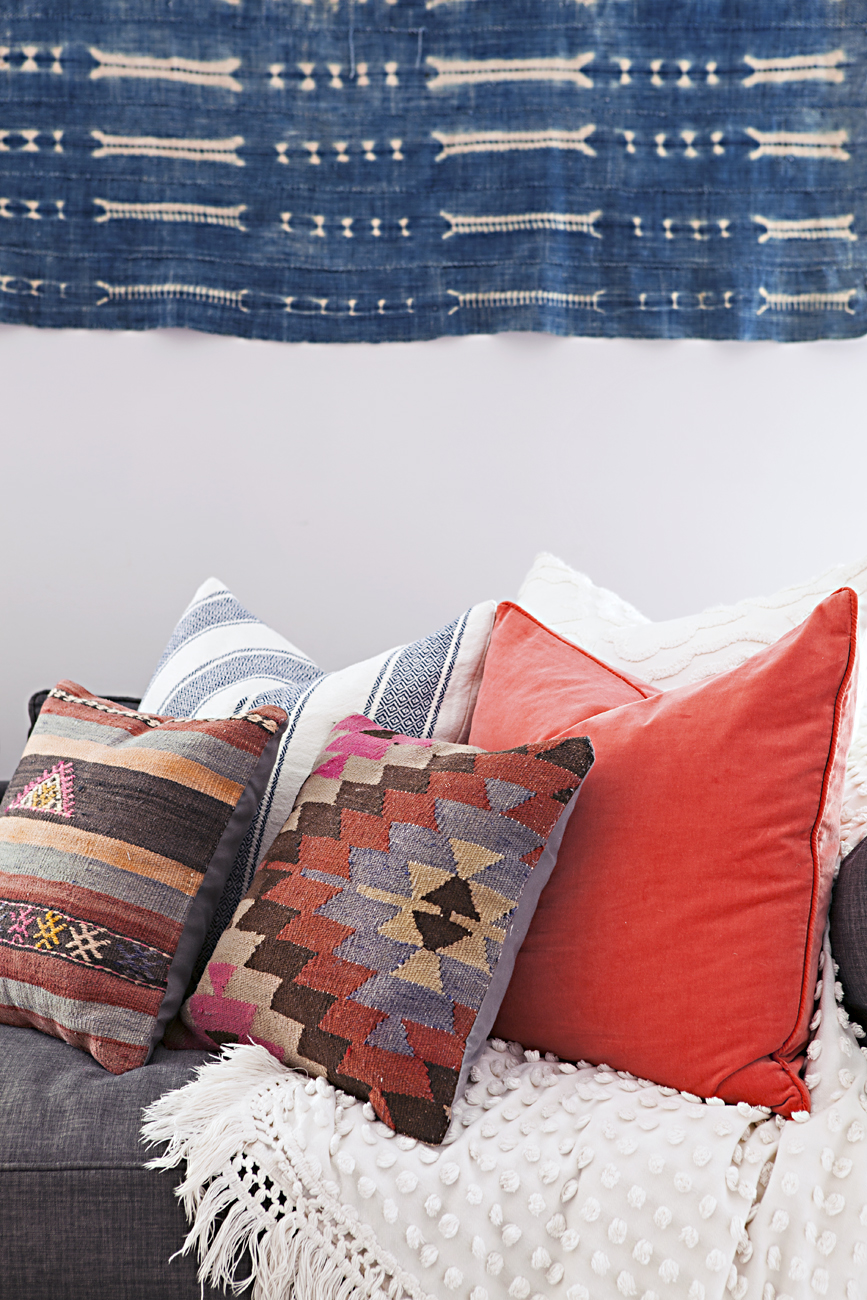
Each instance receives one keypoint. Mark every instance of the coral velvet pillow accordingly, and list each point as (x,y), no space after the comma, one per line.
(117,833)
(378,936)
(678,937)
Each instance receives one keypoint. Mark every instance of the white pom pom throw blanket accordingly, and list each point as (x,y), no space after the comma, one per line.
(554,1183)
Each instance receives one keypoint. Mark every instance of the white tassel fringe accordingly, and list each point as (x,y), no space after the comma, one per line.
(305,1250)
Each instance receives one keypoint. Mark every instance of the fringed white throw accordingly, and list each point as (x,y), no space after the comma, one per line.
(554,1182)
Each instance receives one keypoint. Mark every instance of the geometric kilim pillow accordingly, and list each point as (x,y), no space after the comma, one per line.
(378,937)
(117,832)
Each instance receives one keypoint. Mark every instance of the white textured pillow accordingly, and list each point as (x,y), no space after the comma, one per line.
(683,650)
(221,660)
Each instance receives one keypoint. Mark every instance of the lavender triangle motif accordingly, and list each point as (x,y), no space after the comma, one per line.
(503,795)
(390,1035)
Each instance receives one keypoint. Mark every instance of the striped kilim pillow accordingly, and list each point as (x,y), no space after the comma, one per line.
(221,659)
(378,938)
(117,833)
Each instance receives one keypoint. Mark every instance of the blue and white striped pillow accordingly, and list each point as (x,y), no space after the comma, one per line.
(221,660)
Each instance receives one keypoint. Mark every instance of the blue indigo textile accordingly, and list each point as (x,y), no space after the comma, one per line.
(400,169)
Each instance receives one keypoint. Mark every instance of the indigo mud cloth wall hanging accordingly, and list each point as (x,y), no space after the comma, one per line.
(399,169)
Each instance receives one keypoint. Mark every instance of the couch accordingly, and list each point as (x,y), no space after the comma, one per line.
(80,1215)
(556,1178)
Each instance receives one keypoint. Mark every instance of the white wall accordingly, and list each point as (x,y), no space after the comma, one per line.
(358,496)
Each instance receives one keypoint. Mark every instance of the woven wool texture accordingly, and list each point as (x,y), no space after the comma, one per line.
(691,649)
(370,940)
(564,1182)
(221,659)
(399,169)
(107,831)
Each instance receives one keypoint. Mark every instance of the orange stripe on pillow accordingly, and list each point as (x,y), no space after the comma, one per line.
(37,835)
(155,762)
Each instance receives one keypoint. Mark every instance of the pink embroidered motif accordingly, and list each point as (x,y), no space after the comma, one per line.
(51,792)
(19,930)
